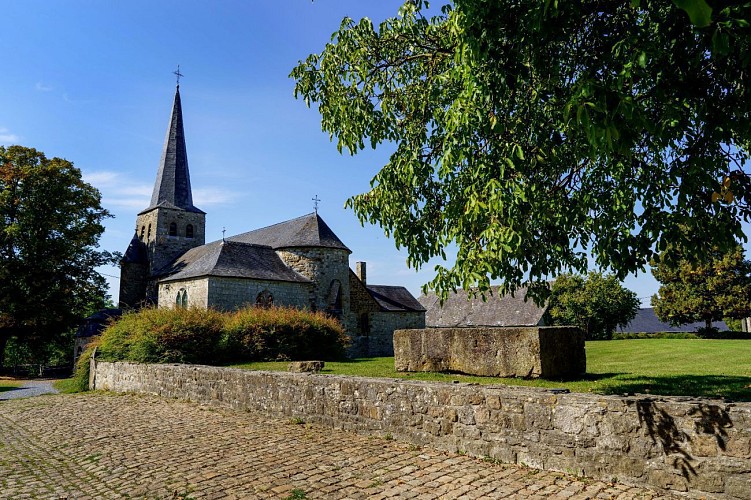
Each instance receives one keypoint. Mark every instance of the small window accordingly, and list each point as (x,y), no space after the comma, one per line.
(182,299)
(172,229)
(265,299)
(143,230)
(148,234)
(189,231)
(364,324)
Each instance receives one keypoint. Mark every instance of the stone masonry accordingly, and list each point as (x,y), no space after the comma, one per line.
(96,445)
(699,448)
(547,352)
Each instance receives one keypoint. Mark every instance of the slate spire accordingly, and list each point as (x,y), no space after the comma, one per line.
(172,188)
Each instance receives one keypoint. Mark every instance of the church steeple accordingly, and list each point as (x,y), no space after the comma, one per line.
(172,187)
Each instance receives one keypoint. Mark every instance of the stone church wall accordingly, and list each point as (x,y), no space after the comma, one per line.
(382,326)
(197,290)
(322,266)
(233,293)
(696,446)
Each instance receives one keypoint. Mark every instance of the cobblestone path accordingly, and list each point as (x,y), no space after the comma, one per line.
(115,446)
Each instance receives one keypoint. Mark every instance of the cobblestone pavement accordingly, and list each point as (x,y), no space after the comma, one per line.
(115,446)
(29,388)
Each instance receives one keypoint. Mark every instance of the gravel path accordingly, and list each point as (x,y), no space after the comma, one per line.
(30,388)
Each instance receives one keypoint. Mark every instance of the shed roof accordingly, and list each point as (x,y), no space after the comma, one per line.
(231,259)
(460,309)
(394,298)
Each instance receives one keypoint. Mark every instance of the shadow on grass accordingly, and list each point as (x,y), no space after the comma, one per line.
(5,388)
(708,386)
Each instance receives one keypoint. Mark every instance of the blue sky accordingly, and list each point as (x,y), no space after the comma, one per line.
(92,82)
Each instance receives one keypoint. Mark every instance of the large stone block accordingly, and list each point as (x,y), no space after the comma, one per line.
(545,352)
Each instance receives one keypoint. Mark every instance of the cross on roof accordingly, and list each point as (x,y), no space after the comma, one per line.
(315,202)
(178,75)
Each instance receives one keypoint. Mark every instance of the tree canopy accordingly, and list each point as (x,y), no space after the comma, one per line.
(595,303)
(536,135)
(50,224)
(719,287)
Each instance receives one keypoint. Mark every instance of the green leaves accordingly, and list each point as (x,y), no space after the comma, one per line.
(579,128)
(698,11)
(50,223)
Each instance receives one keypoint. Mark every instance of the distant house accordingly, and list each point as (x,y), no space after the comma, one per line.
(460,310)
(91,327)
(646,321)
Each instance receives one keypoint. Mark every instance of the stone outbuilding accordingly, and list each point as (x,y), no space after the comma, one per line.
(460,309)
(298,263)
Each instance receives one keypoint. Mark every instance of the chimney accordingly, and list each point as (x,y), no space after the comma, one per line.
(361,272)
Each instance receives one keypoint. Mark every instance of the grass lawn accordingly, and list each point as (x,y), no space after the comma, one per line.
(8,384)
(680,367)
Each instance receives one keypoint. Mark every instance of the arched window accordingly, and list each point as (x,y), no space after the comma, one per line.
(334,300)
(172,229)
(265,299)
(189,231)
(148,234)
(143,230)
(182,299)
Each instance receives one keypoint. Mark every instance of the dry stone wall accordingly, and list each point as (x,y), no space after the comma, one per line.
(699,448)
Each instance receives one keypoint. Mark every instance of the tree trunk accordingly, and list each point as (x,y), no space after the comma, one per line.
(709,323)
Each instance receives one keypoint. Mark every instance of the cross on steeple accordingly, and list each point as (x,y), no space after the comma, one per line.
(315,203)
(178,75)
(224,230)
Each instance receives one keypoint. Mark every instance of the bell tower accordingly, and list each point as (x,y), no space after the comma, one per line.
(171,225)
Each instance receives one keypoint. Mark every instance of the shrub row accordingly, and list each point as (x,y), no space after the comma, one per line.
(205,336)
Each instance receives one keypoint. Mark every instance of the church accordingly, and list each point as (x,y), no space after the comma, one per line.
(298,263)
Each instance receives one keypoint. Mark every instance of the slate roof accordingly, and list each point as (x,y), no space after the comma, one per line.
(172,187)
(136,252)
(460,310)
(230,259)
(306,231)
(394,298)
(646,321)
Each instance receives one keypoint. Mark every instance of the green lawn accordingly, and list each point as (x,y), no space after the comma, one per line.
(681,367)
(8,384)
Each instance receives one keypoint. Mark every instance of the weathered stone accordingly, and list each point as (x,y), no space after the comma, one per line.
(547,352)
(638,440)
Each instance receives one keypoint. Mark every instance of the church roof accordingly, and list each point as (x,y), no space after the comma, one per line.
(306,231)
(230,259)
(394,298)
(460,310)
(136,252)
(172,187)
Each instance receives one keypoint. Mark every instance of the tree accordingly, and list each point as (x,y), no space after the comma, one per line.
(597,304)
(533,135)
(50,224)
(712,290)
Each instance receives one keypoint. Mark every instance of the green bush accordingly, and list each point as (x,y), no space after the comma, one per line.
(164,336)
(277,333)
(201,336)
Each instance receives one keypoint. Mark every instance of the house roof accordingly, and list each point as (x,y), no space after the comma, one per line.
(460,309)
(172,187)
(230,259)
(306,231)
(646,321)
(394,298)
(95,324)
